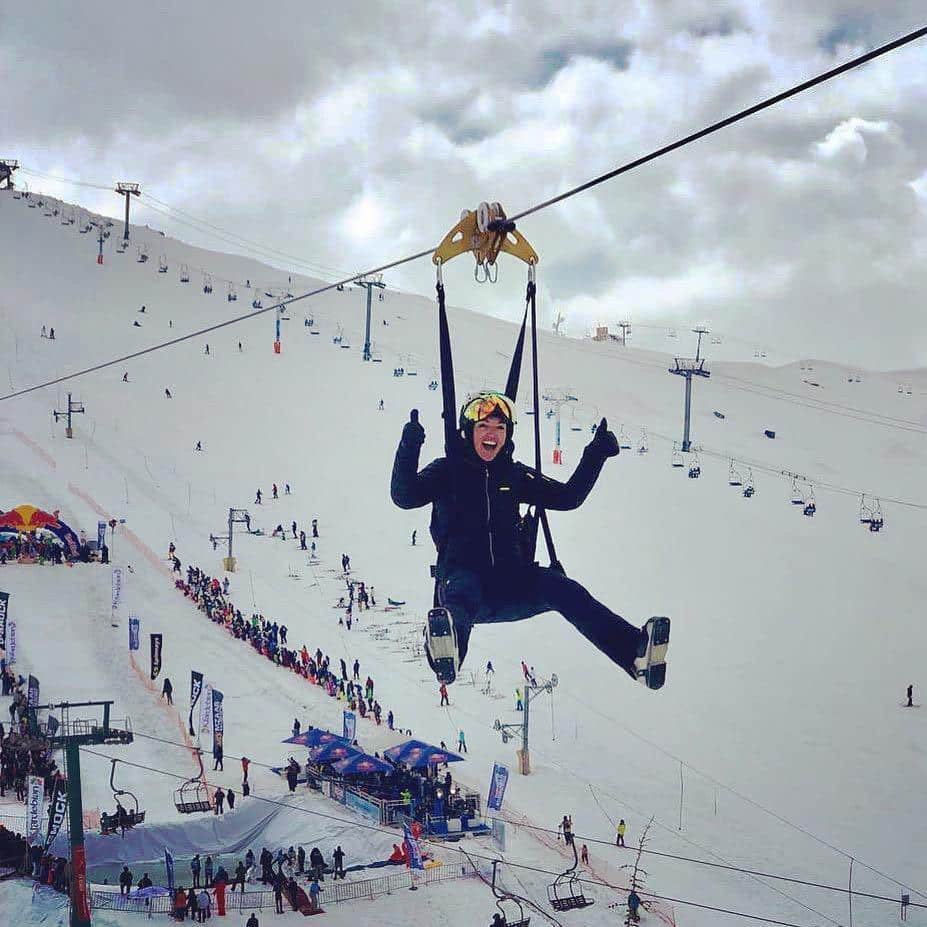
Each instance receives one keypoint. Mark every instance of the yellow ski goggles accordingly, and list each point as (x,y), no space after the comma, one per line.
(482,405)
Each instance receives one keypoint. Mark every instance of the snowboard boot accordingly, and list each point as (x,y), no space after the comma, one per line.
(649,667)
(441,645)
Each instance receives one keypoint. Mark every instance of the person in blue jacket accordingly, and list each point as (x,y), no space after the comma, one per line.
(484,572)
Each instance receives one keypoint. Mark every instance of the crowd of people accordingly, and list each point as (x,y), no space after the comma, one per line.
(31,547)
(269,638)
(32,861)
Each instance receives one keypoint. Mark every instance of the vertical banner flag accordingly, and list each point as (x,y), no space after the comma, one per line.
(218,722)
(101,534)
(500,779)
(350,726)
(57,811)
(11,641)
(4,608)
(169,868)
(206,710)
(32,697)
(413,851)
(117,587)
(196,689)
(134,624)
(35,793)
(155,655)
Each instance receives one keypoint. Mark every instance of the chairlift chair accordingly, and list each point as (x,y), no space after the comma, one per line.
(797,496)
(193,796)
(565,893)
(865,511)
(231,295)
(695,468)
(624,442)
(748,486)
(184,274)
(162,264)
(503,898)
(122,246)
(733,476)
(142,253)
(256,302)
(574,425)
(676,458)
(810,507)
(876,521)
(109,824)
(643,446)
(207,283)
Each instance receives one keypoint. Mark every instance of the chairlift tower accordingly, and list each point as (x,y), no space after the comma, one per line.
(236,517)
(513,730)
(625,327)
(689,368)
(558,398)
(69,735)
(368,283)
(7,166)
(127,190)
(73,407)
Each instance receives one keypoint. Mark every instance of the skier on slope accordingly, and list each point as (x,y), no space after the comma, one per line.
(483,573)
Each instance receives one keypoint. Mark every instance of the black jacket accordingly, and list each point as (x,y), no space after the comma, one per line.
(475,514)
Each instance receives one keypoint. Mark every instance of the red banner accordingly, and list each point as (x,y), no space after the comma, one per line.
(80,897)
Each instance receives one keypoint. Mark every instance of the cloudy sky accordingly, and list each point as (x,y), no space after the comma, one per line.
(348,134)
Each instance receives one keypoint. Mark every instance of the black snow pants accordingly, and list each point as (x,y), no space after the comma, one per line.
(515,594)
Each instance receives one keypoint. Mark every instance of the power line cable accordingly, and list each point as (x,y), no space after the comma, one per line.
(625,168)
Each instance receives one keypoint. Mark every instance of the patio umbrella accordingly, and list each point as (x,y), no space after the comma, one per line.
(416,753)
(362,765)
(315,738)
(333,752)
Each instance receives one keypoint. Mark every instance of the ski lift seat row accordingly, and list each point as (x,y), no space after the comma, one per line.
(565,893)
(193,796)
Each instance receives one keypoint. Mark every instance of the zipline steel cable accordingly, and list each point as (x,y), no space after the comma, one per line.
(844,68)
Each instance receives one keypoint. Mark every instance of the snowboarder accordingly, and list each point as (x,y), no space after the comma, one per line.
(167,691)
(620,829)
(125,377)
(315,527)
(483,573)
(910,696)
(257,497)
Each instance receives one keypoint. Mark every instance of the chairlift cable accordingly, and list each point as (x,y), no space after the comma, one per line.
(625,168)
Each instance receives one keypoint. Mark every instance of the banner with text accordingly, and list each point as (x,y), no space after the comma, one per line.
(196,689)
(134,625)
(500,779)
(57,811)
(117,587)
(11,641)
(34,795)
(169,868)
(155,655)
(206,710)
(413,850)
(218,722)
(32,696)
(4,608)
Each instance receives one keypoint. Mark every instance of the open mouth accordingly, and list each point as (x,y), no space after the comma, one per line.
(489,445)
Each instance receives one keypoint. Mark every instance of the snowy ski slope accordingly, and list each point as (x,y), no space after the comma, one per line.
(778,743)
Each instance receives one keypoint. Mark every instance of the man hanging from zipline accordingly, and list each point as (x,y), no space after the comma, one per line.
(485,572)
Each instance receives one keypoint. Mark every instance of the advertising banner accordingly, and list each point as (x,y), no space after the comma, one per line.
(57,811)
(196,689)
(117,587)
(32,695)
(134,625)
(155,655)
(35,793)
(11,641)
(413,850)
(206,710)
(218,722)
(500,779)
(4,608)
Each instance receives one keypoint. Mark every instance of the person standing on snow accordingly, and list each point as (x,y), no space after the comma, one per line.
(483,574)
(274,490)
(620,829)
(257,497)
(167,691)
(444,699)
(461,743)
(910,696)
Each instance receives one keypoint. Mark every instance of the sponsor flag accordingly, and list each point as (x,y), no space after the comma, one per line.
(32,696)
(196,689)
(500,779)
(169,868)
(4,609)
(218,722)
(350,726)
(117,587)
(101,534)
(57,811)
(413,851)
(134,624)
(34,795)
(206,710)
(155,655)
(11,641)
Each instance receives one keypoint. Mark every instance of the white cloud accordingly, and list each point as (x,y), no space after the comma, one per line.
(848,139)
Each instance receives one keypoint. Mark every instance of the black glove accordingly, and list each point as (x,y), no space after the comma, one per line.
(604,441)
(413,434)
